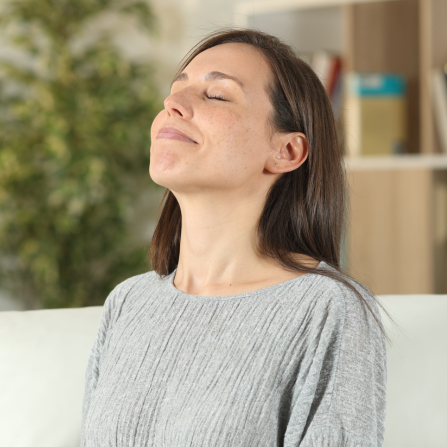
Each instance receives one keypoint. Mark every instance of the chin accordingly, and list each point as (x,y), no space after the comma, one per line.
(159,178)
(165,175)
(162,161)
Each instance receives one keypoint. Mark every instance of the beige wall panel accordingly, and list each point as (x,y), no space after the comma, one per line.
(390,236)
(439,32)
(433,49)
(427,139)
(437,49)
(440,231)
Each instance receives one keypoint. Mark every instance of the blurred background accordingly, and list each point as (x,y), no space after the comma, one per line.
(82,80)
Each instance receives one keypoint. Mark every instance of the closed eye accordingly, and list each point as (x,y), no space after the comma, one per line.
(220,98)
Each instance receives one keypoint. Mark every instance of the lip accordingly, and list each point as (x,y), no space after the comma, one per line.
(172,133)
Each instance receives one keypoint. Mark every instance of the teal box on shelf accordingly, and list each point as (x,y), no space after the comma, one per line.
(375,113)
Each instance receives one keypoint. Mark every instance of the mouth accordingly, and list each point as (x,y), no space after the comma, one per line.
(171,133)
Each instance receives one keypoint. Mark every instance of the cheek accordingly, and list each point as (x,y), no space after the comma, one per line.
(156,124)
(161,158)
(231,133)
(240,140)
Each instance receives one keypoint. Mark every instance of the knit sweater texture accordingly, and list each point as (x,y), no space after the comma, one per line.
(299,363)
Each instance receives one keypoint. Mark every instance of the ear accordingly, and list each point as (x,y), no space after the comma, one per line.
(290,151)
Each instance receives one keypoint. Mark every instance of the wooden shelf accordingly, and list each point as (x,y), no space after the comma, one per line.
(393,162)
(405,36)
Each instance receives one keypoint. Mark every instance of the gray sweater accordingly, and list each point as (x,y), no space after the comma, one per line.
(300,363)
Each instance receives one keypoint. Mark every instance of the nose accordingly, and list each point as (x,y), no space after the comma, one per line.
(176,104)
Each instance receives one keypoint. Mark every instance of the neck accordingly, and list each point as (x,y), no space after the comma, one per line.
(218,242)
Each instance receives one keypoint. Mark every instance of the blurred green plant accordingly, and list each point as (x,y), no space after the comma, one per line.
(74,148)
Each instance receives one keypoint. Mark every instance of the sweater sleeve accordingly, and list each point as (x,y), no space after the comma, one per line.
(111,310)
(339,397)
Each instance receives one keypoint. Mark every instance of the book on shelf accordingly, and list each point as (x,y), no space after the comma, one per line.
(438,89)
(375,121)
(328,67)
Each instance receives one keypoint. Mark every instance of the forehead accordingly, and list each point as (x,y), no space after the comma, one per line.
(236,59)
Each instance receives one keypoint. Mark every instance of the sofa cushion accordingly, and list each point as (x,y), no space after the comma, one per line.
(416,413)
(43,358)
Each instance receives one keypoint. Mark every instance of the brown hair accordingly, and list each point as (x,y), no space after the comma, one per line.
(305,210)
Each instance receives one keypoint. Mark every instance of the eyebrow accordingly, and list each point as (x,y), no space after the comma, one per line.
(209,77)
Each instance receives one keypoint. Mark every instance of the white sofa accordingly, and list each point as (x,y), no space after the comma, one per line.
(44,354)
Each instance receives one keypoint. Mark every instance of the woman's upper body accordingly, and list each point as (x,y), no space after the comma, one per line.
(234,339)
(299,363)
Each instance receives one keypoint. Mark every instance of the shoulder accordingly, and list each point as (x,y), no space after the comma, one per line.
(350,294)
(361,322)
(351,303)
(136,282)
(125,294)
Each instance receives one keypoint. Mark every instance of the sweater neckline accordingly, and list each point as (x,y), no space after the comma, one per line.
(273,287)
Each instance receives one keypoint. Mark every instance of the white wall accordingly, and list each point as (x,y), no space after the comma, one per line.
(184,23)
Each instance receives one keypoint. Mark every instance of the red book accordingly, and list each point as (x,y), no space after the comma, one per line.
(334,74)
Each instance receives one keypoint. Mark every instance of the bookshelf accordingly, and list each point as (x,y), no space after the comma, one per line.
(397,239)
(405,36)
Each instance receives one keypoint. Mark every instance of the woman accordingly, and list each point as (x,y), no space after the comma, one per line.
(246,333)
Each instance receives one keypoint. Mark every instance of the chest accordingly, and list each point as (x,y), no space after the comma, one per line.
(197,373)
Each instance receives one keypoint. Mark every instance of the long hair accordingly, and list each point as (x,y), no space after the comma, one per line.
(306,209)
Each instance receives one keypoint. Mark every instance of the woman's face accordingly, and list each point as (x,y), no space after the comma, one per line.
(221,104)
